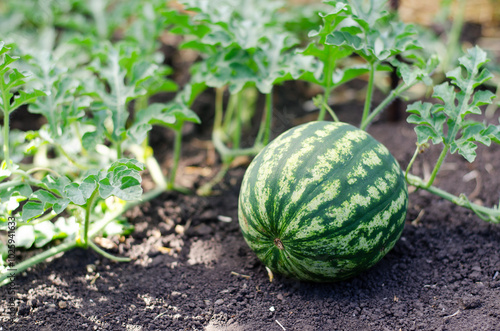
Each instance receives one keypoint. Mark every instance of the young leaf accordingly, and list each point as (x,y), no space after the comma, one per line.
(122,179)
(172,115)
(374,34)
(12,79)
(61,106)
(446,121)
(123,72)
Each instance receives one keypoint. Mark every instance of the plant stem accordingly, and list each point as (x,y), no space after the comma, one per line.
(488,214)
(229,153)
(231,105)
(237,131)
(106,254)
(119,152)
(386,102)
(176,158)
(88,209)
(145,155)
(39,220)
(78,134)
(269,117)
(332,113)
(327,82)
(207,188)
(410,164)
(439,162)
(6,128)
(219,98)
(101,224)
(12,183)
(369,93)
(454,36)
(45,169)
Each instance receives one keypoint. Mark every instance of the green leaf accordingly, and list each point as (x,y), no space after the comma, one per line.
(11,80)
(31,210)
(75,194)
(373,32)
(458,99)
(429,122)
(121,68)
(122,180)
(345,38)
(92,138)
(341,76)
(419,70)
(62,105)
(25,98)
(172,115)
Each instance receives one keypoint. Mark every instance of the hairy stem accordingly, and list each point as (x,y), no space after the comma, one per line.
(439,162)
(145,155)
(268,119)
(454,36)
(237,131)
(386,102)
(6,128)
(369,93)
(219,98)
(39,258)
(88,210)
(226,152)
(176,158)
(488,214)
(327,81)
(206,189)
(106,254)
(410,164)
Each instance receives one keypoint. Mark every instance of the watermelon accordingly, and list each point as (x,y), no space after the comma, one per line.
(322,202)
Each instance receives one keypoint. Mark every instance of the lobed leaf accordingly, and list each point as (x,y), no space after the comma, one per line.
(447,121)
(122,179)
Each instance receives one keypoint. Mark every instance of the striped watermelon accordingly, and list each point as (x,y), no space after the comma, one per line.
(322,202)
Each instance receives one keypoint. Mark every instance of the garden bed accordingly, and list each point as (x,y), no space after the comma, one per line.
(191,268)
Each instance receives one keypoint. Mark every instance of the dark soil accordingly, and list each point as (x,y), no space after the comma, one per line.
(192,270)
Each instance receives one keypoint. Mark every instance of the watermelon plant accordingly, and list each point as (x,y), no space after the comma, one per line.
(312,201)
(67,182)
(244,50)
(450,125)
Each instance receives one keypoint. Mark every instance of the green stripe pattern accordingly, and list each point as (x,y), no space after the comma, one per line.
(322,202)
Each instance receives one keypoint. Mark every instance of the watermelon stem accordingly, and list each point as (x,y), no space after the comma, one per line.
(319,101)
(369,92)
(279,244)
(485,213)
(327,83)
(268,119)
(386,102)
